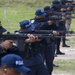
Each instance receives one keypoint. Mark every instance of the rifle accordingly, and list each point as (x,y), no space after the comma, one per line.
(70,5)
(50,31)
(22,36)
(36,32)
(60,13)
(39,33)
(60,17)
(69,1)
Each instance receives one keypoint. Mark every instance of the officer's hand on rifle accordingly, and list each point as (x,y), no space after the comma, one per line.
(68,8)
(63,19)
(7,44)
(66,4)
(55,33)
(62,9)
(49,22)
(54,16)
(37,38)
(63,14)
(31,38)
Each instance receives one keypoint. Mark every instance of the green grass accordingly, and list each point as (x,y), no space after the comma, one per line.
(72,25)
(65,67)
(14,15)
(17,10)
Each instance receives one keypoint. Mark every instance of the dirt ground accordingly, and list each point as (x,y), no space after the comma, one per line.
(69,54)
(69,51)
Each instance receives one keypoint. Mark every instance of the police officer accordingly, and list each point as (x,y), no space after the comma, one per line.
(42,23)
(67,21)
(6,46)
(49,14)
(59,24)
(12,64)
(31,54)
(8,68)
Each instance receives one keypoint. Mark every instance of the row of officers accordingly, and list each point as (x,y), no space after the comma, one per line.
(34,50)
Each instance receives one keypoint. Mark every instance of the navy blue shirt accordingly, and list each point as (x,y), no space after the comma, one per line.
(31,53)
(60,25)
(41,24)
(34,60)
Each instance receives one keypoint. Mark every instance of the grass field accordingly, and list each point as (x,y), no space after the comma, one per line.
(65,67)
(17,10)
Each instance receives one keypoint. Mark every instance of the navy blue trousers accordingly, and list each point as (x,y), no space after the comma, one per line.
(39,69)
(48,56)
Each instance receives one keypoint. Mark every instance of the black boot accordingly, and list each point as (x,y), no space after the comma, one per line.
(54,65)
(65,45)
(60,53)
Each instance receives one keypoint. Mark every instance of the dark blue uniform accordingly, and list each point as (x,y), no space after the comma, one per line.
(31,52)
(47,43)
(33,59)
(59,24)
(67,23)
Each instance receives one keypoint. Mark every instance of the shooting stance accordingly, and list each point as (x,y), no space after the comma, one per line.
(31,53)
